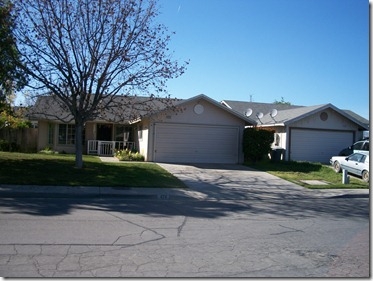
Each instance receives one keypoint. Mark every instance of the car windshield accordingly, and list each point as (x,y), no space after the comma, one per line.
(356,157)
(357,145)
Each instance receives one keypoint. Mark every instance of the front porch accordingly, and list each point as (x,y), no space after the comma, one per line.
(108,148)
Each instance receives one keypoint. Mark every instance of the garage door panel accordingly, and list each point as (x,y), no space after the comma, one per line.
(195,144)
(318,145)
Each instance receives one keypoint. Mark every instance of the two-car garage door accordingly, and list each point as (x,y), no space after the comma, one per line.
(318,145)
(192,143)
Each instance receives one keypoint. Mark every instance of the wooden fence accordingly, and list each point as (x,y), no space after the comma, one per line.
(26,139)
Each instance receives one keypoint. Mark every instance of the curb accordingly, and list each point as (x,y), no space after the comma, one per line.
(150,193)
(89,191)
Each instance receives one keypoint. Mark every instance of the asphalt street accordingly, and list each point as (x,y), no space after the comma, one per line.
(231,222)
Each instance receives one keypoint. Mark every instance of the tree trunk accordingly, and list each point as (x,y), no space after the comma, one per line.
(78,144)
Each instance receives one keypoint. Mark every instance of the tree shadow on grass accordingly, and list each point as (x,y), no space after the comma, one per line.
(288,166)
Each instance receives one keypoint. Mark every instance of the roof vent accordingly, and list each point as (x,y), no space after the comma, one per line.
(324,116)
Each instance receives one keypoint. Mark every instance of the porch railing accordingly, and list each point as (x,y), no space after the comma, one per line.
(107,148)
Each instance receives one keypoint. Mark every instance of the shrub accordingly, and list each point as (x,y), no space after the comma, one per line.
(256,143)
(129,155)
(48,150)
(9,146)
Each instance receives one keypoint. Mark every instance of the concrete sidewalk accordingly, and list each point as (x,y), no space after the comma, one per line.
(205,182)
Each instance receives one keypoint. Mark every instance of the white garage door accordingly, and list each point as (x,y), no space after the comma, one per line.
(175,143)
(318,145)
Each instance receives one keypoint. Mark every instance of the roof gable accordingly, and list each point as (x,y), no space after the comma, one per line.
(290,116)
(248,121)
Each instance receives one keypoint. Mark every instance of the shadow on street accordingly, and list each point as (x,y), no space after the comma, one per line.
(337,207)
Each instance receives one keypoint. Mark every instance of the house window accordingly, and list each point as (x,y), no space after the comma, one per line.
(51,134)
(123,133)
(66,134)
(277,139)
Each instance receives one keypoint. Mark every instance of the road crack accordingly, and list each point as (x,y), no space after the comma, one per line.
(158,236)
(180,228)
(289,231)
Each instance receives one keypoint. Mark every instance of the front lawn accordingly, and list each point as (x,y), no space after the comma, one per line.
(297,171)
(58,169)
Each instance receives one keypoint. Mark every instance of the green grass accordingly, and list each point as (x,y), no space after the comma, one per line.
(58,169)
(297,171)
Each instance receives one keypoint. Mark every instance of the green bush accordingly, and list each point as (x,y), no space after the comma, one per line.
(129,155)
(257,143)
(9,146)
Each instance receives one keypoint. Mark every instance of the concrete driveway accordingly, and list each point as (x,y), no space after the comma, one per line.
(237,182)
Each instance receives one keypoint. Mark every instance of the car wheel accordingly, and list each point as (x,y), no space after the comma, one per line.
(365,176)
(337,167)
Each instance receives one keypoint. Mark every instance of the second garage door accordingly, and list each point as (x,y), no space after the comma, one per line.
(185,143)
(318,145)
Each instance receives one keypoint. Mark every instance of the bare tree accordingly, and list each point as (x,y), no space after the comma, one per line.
(87,52)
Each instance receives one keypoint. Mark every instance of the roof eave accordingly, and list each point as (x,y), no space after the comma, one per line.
(271,125)
(329,105)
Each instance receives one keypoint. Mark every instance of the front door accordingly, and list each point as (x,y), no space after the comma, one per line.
(105,132)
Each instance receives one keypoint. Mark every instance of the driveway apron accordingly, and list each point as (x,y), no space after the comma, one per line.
(233,182)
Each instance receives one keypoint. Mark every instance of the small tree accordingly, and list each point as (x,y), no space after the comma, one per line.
(256,143)
(87,52)
(282,101)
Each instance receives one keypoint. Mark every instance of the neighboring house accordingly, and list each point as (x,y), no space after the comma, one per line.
(305,133)
(196,130)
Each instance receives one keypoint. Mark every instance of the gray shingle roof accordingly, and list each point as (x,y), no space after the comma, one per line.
(129,108)
(288,113)
(291,115)
(242,106)
(122,109)
(357,117)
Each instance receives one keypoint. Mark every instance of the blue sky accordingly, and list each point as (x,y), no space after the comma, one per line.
(309,52)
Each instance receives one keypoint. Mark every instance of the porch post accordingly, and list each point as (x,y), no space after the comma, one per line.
(99,148)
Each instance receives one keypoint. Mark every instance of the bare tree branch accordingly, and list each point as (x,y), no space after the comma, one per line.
(86,52)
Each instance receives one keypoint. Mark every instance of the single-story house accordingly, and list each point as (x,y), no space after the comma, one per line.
(195,130)
(305,133)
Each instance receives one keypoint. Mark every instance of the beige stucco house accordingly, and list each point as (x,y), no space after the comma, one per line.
(305,133)
(201,130)
(196,130)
